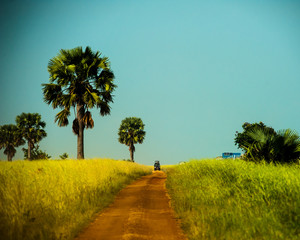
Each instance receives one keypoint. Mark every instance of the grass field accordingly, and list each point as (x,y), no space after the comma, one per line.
(55,199)
(233,199)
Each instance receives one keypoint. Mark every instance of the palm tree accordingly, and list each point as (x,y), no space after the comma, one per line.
(241,138)
(32,129)
(82,80)
(279,147)
(258,143)
(10,138)
(287,146)
(131,131)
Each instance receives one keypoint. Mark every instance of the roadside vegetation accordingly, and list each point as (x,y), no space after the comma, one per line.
(55,199)
(235,199)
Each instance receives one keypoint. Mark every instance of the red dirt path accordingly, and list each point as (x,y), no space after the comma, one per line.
(141,211)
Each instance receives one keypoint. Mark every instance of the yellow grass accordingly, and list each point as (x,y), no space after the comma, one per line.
(234,199)
(55,199)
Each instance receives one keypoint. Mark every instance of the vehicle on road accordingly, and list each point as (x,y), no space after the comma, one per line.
(156,166)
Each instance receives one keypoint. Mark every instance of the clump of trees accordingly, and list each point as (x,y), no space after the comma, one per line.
(131,131)
(263,143)
(29,128)
(79,79)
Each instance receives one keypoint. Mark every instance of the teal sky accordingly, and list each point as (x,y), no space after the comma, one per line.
(194,71)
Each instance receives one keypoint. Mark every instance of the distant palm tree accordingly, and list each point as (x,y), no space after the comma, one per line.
(32,129)
(279,147)
(131,131)
(82,80)
(10,138)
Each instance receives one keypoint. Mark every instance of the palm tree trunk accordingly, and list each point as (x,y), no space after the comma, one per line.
(9,157)
(131,150)
(80,146)
(131,155)
(29,151)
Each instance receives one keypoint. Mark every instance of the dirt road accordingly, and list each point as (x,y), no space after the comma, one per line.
(141,211)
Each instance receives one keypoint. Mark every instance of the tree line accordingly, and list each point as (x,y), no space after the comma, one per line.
(82,79)
(79,80)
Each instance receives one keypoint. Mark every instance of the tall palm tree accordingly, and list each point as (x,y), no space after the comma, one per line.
(131,131)
(82,80)
(32,129)
(10,138)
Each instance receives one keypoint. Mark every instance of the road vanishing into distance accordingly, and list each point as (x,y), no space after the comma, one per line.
(141,211)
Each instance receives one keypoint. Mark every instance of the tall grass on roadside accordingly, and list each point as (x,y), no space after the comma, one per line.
(55,199)
(233,199)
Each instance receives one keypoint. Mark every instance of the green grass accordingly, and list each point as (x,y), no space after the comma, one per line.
(55,199)
(233,199)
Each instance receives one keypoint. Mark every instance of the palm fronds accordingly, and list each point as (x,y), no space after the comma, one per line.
(79,76)
(278,147)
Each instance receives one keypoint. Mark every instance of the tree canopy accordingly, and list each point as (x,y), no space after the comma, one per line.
(242,138)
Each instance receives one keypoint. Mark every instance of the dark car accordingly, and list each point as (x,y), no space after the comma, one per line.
(156,166)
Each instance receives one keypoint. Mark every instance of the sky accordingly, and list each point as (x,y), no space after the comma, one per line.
(193,71)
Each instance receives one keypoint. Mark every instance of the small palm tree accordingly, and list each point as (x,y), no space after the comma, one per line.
(64,156)
(32,129)
(287,146)
(258,143)
(131,131)
(279,147)
(10,138)
(82,80)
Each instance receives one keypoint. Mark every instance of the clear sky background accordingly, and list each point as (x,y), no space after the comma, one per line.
(193,71)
